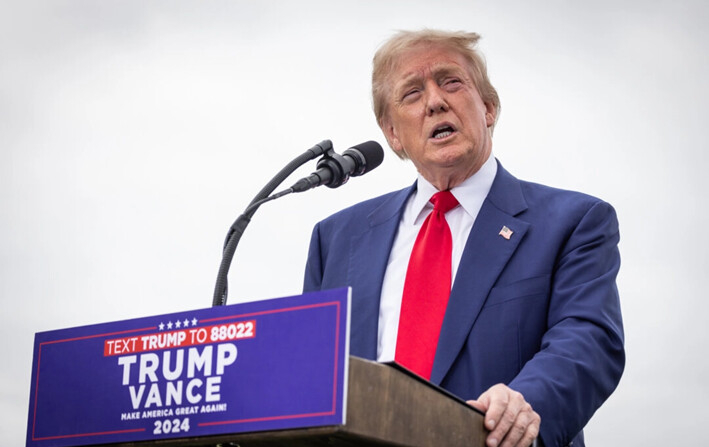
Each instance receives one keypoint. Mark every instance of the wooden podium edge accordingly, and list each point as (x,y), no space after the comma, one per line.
(399,408)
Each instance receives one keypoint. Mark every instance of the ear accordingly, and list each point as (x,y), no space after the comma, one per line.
(390,134)
(490,114)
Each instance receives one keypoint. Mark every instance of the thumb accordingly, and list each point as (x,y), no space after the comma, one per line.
(480,404)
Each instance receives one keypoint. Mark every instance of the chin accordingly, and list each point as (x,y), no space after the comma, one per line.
(451,157)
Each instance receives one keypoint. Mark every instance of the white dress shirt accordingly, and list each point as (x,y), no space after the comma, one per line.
(470,194)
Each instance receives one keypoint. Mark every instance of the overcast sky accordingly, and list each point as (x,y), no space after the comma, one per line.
(132,133)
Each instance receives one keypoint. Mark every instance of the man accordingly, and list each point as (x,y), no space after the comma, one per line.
(529,330)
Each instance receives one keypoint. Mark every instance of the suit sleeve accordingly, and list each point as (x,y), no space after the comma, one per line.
(582,356)
(313,267)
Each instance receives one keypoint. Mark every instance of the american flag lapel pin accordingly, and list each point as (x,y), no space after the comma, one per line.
(506,232)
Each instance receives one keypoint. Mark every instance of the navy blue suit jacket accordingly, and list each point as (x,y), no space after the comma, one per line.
(538,312)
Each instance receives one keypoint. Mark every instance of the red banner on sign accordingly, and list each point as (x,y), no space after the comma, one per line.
(181,338)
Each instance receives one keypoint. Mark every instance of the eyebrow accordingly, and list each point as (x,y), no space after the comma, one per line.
(439,71)
(443,70)
(407,82)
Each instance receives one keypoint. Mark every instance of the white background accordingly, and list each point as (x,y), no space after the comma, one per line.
(132,133)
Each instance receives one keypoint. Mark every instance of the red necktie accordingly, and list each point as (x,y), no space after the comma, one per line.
(426,290)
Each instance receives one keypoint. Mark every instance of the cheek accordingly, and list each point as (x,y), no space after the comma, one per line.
(411,127)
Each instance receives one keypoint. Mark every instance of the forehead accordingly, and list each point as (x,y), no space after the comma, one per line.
(424,60)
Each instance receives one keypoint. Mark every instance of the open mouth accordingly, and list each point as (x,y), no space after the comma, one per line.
(442,132)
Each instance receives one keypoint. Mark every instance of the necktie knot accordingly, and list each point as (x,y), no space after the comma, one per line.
(443,201)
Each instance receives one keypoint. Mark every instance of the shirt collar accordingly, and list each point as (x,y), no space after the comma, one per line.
(470,194)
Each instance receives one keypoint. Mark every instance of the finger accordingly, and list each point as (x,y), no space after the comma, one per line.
(525,429)
(503,424)
(480,405)
(531,432)
(517,431)
(497,399)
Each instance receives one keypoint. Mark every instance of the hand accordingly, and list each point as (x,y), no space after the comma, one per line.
(511,420)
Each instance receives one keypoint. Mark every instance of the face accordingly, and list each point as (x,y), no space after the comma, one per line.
(436,116)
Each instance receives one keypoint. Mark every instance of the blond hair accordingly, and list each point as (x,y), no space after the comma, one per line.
(462,42)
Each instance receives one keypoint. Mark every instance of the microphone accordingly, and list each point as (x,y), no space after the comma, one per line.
(334,170)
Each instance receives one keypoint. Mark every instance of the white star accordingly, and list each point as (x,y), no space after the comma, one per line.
(169,324)
(186,322)
(178,324)
(161,326)
(194,322)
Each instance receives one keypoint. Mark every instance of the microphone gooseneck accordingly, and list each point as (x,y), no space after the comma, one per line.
(333,170)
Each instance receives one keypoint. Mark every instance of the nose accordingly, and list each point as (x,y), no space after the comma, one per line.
(435,100)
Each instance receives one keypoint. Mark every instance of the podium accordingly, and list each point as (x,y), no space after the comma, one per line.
(264,373)
(385,407)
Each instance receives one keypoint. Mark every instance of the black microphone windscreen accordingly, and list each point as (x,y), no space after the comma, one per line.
(373,155)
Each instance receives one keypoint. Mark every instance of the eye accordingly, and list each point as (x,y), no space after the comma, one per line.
(410,94)
(451,83)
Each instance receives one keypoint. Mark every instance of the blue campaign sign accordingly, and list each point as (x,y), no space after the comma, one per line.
(265,365)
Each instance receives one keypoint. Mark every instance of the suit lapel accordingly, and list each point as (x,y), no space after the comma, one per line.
(369,256)
(485,255)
